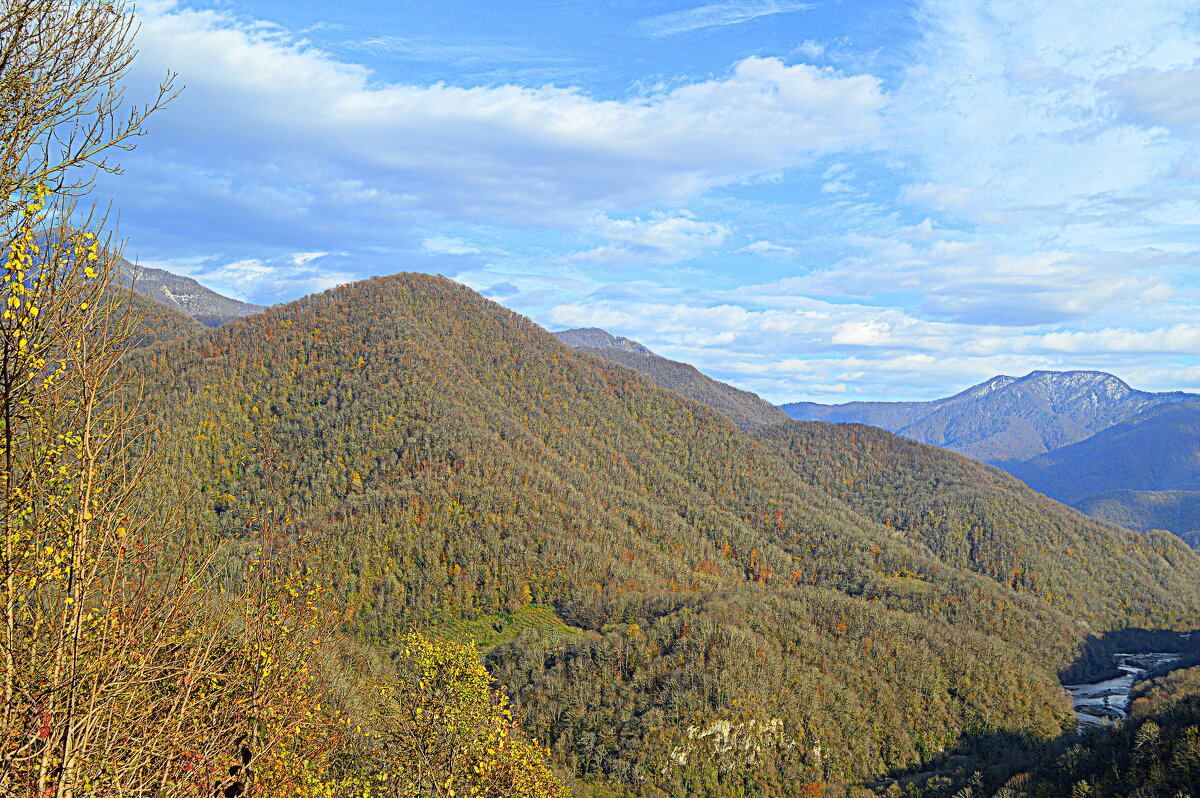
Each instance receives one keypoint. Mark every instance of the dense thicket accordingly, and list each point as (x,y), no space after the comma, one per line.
(449,460)
(973,516)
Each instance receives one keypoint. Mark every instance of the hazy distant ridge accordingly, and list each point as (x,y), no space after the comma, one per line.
(185,294)
(1005,418)
(743,408)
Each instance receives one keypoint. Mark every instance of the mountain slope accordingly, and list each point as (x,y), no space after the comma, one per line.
(743,408)
(1175,510)
(185,295)
(1005,418)
(449,460)
(1155,450)
(969,514)
(595,338)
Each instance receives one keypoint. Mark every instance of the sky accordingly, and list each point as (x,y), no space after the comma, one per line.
(826,200)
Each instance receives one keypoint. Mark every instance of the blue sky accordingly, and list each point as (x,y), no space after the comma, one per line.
(812,200)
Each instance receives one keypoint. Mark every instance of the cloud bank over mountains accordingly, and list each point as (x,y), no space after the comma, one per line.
(988,187)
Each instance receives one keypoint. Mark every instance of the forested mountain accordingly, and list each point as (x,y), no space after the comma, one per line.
(184,294)
(679,609)
(1174,510)
(742,407)
(595,338)
(1143,473)
(1006,418)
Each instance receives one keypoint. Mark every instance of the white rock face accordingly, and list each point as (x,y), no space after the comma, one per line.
(732,742)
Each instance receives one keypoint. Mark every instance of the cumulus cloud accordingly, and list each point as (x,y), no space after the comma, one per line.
(262,109)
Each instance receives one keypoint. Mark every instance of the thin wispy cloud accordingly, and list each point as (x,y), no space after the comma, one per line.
(716,15)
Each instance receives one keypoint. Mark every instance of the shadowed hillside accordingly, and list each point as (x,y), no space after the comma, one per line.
(1174,510)
(1156,450)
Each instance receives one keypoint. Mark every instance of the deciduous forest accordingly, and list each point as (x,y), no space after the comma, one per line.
(394,539)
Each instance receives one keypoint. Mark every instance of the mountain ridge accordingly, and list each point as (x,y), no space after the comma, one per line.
(745,409)
(184,294)
(1004,418)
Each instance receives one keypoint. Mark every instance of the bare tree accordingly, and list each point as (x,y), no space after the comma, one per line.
(62,106)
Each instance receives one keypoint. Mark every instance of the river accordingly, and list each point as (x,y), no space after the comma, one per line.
(1104,703)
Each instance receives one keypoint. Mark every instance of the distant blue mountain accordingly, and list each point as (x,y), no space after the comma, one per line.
(1005,419)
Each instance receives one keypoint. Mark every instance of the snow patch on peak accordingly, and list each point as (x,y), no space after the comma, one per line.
(1075,387)
(996,383)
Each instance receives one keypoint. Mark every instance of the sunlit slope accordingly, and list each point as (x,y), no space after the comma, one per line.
(449,460)
(977,517)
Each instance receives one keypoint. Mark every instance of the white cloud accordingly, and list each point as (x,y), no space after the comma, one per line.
(447,245)
(863,333)
(810,49)
(274,112)
(660,239)
(1176,339)
(717,15)
(301,258)
(767,249)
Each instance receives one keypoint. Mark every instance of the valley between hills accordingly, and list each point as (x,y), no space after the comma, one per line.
(394,539)
(683,591)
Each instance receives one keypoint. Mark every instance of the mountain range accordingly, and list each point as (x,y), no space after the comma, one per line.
(675,605)
(185,295)
(1005,418)
(1083,437)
